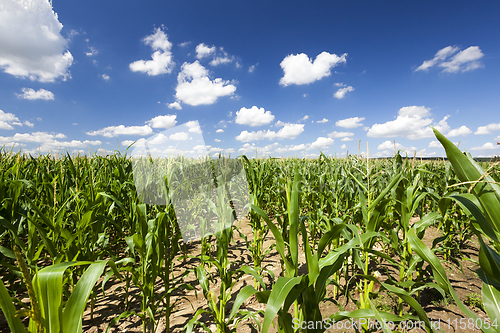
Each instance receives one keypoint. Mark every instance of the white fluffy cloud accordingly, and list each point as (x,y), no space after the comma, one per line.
(46,141)
(387,148)
(203,51)
(105,77)
(194,126)
(300,69)
(194,87)
(412,123)
(31,94)
(179,136)
(162,60)
(289,131)
(352,122)
(219,56)
(32,46)
(175,105)
(251,148)
(342,92)
(487,129)
(113,131)
(166,122)
(220,130)
(324,120)
(435,144)
(486,146)
(254,116)
(453,62)
(9,119)
(461,131)
(336,134)
(321,143)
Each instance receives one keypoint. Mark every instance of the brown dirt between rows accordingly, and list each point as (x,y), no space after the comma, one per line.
(108,307)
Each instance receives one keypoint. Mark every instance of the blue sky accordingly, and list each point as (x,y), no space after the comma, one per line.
(284,78)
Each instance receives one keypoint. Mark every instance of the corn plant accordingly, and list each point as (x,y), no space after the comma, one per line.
(482,204)
(227,273)
(49,312)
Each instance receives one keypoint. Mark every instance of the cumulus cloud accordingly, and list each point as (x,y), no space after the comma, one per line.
(194,87)
(194,127)
(31,94)
(179,136)
(175,105)
(343,146)
(113,131)
(222,59)
(46,141)
(219,56)
(32,45)
(300,69)
(453,62)
(220,130)
(105,77)
(487,129)
(203,51)
(352,122)
(336,134)
(166,121)
(342,92)
(387,148)
(412,123)
(289,131)
(9,119)
(461,131)
(321,143)
(435,144)
(162,60)
(486,146)
(251,148)
(254,116)
(324,120)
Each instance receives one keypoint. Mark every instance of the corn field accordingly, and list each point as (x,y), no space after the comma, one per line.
(72,227)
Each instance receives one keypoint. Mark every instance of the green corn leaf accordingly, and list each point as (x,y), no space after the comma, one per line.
(379,318)
(468,170)
(73,312)
(280,243)
(491,299)
(280,291)
(439,274)
(489,261)
(9,311)
(422,315)
(251,271)
(243,295)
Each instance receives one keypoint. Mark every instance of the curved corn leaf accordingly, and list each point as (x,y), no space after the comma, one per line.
(439,274)
(280,291)
(466,170)
(9,311)
(243,295)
